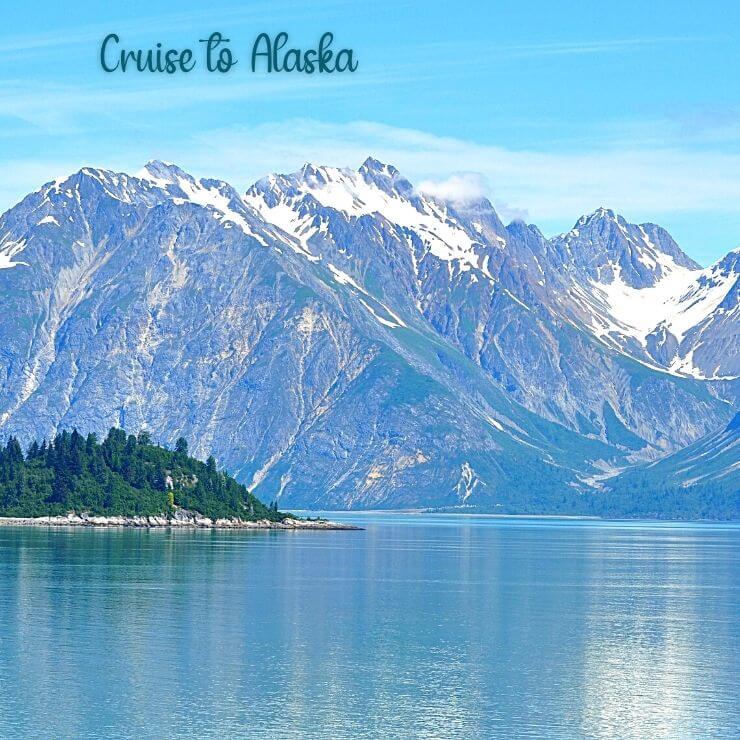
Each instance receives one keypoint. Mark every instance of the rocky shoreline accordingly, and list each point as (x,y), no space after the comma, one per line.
(179,520)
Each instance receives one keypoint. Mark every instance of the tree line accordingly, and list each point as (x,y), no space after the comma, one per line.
(125,475)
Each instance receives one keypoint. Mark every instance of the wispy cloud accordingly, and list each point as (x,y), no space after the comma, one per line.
(458,53)
(552,188)
(457,186)
(550,185)
(592,46)
(51,107)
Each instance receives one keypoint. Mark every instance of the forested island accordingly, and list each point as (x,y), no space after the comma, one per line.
(127,479)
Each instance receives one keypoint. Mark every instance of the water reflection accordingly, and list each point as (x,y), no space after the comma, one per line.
(416,627)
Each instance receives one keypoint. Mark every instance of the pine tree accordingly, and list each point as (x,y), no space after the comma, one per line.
(13,451)
(181,447)
(120,476)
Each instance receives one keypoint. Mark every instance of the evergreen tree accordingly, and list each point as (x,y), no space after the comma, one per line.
(13,451)
(181,446)
(126,474)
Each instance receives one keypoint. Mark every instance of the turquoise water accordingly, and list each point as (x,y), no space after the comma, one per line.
(420,626)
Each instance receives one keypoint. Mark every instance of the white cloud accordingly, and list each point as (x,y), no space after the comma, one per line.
(457,187)
(465,186)
(639,182)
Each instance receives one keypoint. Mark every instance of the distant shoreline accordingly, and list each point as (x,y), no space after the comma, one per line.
(163,522)
(353,512)
(489,515)
(428,512)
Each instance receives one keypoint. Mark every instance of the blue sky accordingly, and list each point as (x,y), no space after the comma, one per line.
(550,108)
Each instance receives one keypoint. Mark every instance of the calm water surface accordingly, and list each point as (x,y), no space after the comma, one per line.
(420,626)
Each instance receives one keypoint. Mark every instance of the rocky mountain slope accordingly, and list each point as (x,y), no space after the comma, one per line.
(700,481)
(508,298)
(336,338)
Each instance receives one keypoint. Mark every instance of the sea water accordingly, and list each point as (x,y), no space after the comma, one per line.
(419,626)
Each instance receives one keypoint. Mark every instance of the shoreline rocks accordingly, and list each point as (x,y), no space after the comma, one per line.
(181,519)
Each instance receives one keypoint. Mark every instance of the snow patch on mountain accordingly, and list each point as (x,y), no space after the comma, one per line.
(374,189)
(210,194)
(703,297)
(467,483)
(8,250)
(637,311)
(635,290)
(395,322)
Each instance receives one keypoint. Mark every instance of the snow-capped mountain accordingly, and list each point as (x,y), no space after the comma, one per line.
(513,301)
(634,289)
(337,338)
(303,204)
(606,248)
(704,321)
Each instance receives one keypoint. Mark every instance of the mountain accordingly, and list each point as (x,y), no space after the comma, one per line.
(635,290)
(336,338)
(503,297)
(704,323)
(700,481)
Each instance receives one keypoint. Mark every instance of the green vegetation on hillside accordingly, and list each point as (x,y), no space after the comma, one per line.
(125,475)
(644,494)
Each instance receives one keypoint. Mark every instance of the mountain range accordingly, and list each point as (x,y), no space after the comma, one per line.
(338,339)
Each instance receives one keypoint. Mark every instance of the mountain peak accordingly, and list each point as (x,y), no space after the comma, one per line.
(160,163)
(612,250)
(375,166)
(521,228)
(601,214)
(314,174)
(162,173)
(385,177)
(96,180)
(94,173)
